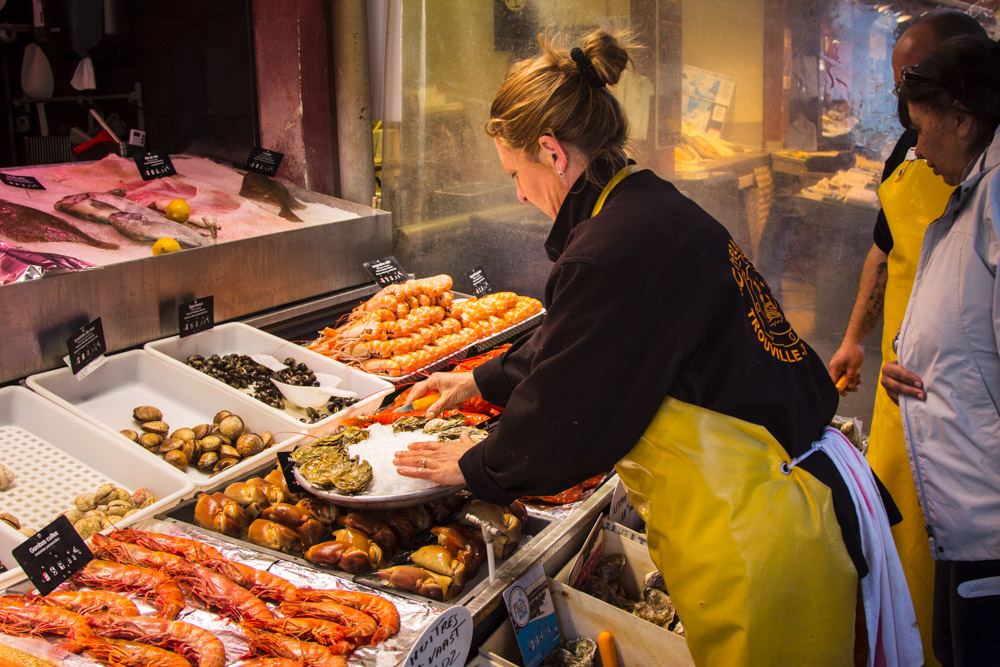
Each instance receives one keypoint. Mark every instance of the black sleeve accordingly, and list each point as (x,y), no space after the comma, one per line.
(497,378)
(881,235)
(579,409)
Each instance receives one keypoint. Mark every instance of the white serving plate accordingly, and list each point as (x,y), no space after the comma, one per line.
(236,337)
(107,397)
(55,456)
(388,489)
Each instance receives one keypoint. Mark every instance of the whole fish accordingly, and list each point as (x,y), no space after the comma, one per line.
(132,220)
(28,225)
(268,191)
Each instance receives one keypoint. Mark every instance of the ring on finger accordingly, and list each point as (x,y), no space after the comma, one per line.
(423,461)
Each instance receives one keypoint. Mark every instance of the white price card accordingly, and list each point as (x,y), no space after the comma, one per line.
(622,512)
(445,643)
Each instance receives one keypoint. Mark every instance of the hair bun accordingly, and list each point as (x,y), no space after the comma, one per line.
(608,53)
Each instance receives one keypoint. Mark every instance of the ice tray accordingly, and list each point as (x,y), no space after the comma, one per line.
(107,397)
(239,338)
(56,455)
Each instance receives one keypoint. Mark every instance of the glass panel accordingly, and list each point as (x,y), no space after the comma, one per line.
(774,115)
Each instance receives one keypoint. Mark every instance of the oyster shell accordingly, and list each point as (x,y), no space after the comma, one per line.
(404,424)
(443,423)
(331,467)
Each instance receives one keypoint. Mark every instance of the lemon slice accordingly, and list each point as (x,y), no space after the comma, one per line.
(166,244)
(177,210)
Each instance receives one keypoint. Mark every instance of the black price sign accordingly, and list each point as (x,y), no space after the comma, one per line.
(285,463)
(26,182)
(154,165)
(196,316)
(86,345)
(52,555)
(480,285)
(264,161)
(386,271)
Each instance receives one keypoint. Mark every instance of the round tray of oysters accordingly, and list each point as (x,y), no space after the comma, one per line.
(354,468)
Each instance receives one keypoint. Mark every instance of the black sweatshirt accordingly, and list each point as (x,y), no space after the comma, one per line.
(648,299)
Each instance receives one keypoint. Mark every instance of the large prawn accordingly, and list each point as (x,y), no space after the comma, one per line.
(327,633)
(359,624)
(82,602)
(193,550)
(132,554)
(231,600)
(309,653)
(21,619)
(196,644)
(378,607)
(122,653)
(155,586)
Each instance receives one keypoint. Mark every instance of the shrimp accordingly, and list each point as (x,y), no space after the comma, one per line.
(327,633)
(133,654)
(220,592)
(193,550)
(153,585)
(86,602)
(258,582)
(21,619)
(382,367)
(309,653)
(271,662)
(133,554)
(359,624)
(196,644)
(374,605)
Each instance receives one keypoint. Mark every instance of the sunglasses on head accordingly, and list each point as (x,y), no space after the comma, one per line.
(909,74)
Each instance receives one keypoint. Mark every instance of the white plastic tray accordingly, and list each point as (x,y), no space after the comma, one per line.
(56,455)
(107,396)
(236,337)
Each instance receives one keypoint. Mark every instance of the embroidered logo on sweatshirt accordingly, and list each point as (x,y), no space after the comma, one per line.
(771,329)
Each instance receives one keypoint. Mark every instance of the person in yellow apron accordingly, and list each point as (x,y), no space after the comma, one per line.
(664,352)
(911,196)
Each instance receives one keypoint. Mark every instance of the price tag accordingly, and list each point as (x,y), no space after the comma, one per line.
(386,271)
(196,316)
(26,182)
(154,165)
(480,285)
(622,511)
(264,161)
(52,555)
(529,604)
(86,347)
(445,643)
(285,463)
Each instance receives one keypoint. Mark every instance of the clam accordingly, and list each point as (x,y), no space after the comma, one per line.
(207,460)
(267,438)
(85,502)
(249,444)
(210,443)
(147,413)
(158,427)
(231,426)
(150,440)
(191,449)
(10,520)
(224,464)
(228,451)
(176,458)
(170,444)
(130,434)
(201,430)
(119,507)
(73,515)
(141,495)
(220,415)
(105,492)
(184,434)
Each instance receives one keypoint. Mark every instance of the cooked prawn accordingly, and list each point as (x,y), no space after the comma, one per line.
(120,653)
(223,594)
(23,619)
(374,605)
(258,582)
(133,554)
(86,602)
(193,550)
(329,634)
(196,644)
(359,624)
(156,587)
(310,653)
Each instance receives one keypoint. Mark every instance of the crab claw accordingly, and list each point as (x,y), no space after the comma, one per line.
(420,581)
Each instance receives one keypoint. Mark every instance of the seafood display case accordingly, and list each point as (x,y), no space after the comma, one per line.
(261,261)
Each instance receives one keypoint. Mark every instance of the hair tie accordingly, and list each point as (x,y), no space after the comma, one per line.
(586,67)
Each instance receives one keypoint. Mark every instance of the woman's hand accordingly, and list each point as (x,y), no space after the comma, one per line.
(845,367)
(898,381)
(434,461)
(452,387)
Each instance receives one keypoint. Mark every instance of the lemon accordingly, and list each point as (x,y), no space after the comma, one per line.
(177,210)
(165,244)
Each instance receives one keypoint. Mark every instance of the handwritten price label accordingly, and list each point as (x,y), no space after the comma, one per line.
(445,642)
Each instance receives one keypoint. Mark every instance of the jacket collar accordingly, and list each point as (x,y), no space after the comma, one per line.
(578,204)
(982,166)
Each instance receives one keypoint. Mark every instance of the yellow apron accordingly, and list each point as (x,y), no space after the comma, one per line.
(912,197)
(753,557)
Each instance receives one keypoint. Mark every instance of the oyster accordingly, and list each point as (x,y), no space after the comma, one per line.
(656,607)
(455,433)
(572,653)
(444,423)
(408,424)
(348,436)
(331,467)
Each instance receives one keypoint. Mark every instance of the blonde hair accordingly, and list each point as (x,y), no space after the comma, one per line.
(550,95)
